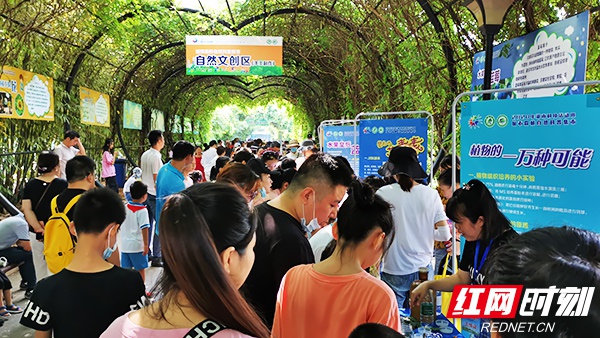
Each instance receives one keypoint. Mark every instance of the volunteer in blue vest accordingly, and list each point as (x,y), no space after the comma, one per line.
(170,179)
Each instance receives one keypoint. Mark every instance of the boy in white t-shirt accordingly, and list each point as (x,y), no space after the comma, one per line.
(133,237)
(136,175)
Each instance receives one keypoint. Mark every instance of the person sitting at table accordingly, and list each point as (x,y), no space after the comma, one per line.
(550,257)
(310,294)
(486,230)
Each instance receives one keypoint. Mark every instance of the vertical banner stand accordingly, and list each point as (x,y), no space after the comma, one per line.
(416,112)
(458,99)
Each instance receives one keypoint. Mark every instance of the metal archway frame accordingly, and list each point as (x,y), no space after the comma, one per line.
(416,112)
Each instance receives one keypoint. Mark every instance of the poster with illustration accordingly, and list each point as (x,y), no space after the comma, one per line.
(553,54)
(157,120)
(132,115)
(26,95)
(95,107)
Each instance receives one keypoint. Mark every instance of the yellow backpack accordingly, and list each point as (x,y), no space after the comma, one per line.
(59,245)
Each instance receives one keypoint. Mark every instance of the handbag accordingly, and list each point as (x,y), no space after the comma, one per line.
(447,296)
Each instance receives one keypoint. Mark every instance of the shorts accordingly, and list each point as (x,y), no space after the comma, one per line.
(134,260)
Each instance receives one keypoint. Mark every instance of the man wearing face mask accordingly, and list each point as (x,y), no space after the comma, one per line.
(293,147)
(86,296)
(284,223)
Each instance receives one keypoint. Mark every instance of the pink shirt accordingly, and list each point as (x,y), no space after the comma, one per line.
(122,327)
(311,304)
(108,169)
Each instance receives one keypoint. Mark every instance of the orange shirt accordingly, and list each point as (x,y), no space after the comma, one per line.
(311,304)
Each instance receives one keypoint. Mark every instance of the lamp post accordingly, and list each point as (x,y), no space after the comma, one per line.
(490,17)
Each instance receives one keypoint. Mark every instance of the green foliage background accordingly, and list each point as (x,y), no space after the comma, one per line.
(341,57)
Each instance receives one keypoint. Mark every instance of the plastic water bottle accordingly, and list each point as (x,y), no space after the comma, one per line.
(407,329)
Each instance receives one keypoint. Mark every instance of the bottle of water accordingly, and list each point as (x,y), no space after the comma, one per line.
(407,329)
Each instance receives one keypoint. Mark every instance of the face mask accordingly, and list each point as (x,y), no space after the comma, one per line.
(314,223)
(109,251)
(294,150)
(263,192)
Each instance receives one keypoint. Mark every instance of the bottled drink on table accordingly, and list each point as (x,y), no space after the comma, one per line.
(407,330)
(415,310)
(428,309)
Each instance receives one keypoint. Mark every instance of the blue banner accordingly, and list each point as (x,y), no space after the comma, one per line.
(536,156)
(339,141)
(554,54)
(378,137)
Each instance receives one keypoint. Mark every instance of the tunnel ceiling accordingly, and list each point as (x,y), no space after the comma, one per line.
(341,57)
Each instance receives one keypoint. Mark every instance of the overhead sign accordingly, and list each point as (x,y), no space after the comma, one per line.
(95,107)
(554,54)
(339,141)
(537,158)
(234,55)
(132,115)
(26,95)
(378,137)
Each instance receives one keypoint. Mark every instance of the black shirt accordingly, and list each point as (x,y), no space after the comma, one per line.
(65,197)
(34,190)
(467,260)
(280,245)
(75,304)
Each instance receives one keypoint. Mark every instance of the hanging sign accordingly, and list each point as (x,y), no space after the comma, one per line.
(95,107)
(26,95)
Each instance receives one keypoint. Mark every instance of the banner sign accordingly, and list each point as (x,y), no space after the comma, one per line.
(339,141)
(233,55)
(536,157)
(157,121)
(95,107)
(378,137)
(25,95)
(554,54)
(132,115)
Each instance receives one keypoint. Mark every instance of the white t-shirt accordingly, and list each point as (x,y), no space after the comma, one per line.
(320,240)
(207,161)
(130,233)
(415,214)
(150,163)
(65,154)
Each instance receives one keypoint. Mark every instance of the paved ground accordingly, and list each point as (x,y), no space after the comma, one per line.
(13,329)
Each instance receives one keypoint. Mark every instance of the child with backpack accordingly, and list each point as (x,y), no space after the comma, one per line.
(133,237)
(59,243)
(85,297)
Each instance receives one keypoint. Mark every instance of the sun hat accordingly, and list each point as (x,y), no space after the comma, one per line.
(403,160)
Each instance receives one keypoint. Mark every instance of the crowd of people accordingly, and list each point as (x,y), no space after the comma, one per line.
(263,239)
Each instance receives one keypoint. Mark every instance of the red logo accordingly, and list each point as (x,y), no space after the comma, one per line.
(485,301)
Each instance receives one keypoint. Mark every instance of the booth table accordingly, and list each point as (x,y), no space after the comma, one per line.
(436,330)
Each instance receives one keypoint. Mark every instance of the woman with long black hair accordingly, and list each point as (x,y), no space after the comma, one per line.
(207,255)
(109,173)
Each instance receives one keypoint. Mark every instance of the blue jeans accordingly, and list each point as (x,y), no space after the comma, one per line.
(400,284)
(154,251)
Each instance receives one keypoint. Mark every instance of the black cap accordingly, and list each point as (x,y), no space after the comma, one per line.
(258,166)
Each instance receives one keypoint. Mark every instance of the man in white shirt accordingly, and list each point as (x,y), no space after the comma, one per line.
(66,150)
(151,162)
(207,158)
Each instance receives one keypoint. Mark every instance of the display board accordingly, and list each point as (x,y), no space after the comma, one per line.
(26,95)
(95,107)
(378,137)
(553,54)
(157,121)
(339,141)
(536,157)
(234,55)
(132,115)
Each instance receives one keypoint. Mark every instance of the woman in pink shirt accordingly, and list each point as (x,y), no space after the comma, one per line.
(108,165)
(331,298)
(207,255)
